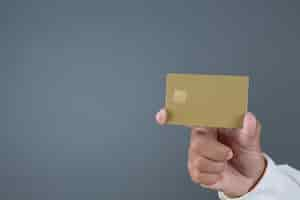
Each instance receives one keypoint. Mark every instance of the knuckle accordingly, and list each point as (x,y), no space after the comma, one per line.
(194,133)
(189,166)
(194,174)
(200,163)
(197,143)
(194,146)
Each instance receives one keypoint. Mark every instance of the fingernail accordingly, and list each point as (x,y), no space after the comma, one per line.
(250,116)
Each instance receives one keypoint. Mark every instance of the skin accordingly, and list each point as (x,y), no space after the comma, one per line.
(226,160)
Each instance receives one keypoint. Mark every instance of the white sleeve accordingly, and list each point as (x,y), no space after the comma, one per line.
(278,182)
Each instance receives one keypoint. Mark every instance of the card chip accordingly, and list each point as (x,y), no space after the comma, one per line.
(180,96)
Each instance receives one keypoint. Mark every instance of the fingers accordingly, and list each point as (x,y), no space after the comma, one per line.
(207,157)
(161,117)
(204,165)
(204,144)
(204,178)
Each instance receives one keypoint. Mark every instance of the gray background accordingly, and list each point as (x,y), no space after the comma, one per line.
(80,83)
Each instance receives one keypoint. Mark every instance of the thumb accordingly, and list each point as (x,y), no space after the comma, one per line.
(250,133)
(161,116)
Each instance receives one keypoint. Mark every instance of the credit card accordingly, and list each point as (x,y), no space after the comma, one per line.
(219,101)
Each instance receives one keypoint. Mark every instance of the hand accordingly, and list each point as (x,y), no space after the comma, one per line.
(227,160)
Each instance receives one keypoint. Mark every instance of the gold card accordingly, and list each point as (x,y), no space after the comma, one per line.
(206,100)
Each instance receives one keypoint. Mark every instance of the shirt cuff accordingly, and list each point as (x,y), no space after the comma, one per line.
(265,185)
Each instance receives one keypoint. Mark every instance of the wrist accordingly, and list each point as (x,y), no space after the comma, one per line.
(261,174)
(251,182)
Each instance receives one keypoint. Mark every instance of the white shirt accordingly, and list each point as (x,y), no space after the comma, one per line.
(280,182)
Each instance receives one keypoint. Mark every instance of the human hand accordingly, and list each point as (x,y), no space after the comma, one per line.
(227,160)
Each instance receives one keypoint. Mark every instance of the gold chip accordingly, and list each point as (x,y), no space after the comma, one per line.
(179,96)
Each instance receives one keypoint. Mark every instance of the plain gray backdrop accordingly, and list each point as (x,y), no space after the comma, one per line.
(80,83)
